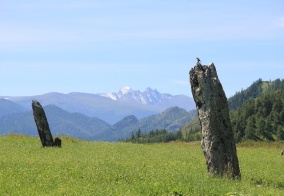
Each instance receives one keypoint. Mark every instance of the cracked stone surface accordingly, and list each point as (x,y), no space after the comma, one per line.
(217,143)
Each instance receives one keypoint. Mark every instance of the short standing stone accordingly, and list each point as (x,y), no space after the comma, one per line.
(57,142)
(42,124)
(217,143)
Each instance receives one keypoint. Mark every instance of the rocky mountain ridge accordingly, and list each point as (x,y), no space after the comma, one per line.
(148,97)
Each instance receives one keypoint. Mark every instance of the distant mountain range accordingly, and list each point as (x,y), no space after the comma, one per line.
(110,107)
(78,125)
(8,107)
(94,116)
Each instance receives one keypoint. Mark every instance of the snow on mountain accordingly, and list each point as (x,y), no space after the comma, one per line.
(125,90)
(148,97)
(112,96)
(115,96)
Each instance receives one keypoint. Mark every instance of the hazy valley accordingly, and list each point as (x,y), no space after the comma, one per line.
(102,116)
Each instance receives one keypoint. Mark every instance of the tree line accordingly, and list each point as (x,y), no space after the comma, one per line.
(153,136)
(162,135)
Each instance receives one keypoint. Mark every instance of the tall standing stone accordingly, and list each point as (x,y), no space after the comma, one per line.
(217,143)
(42,124)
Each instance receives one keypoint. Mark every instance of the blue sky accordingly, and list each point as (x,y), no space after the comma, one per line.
(100,46)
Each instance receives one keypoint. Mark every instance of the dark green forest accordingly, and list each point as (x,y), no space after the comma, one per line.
(260,118)
(257,113)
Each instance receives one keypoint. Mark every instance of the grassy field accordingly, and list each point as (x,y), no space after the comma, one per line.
(99,168)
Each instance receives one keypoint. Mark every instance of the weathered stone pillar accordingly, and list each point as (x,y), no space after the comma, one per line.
(42,124)
(217,135)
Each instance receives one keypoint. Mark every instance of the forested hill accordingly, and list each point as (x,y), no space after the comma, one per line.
(261,118)
(257,113)
(257,89)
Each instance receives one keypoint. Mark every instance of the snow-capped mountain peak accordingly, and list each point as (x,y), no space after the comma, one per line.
(148,97)
(115,96)
(125,90)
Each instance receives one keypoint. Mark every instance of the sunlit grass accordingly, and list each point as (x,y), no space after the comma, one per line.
(100,168)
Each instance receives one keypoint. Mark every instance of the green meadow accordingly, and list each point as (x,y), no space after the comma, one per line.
(101,168)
